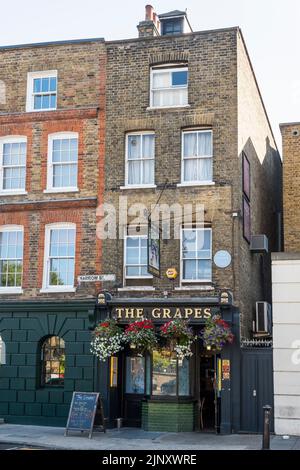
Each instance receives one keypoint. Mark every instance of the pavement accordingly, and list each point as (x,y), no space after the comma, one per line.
(135,439)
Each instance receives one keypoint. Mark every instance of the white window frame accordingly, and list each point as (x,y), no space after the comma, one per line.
(141,185)
(12,139)
(196,182)
(193,281)
(50,164)
(30,94)
(14,289)
(2,352)
(168,68)
(149,276)
(46,287)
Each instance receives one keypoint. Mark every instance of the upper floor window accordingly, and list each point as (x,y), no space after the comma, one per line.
(12,164)
(53,362)
(59,257)
(62,162)
(140,158)
(197,156)
(196,255)
(42,91)
(136,261)
(169,87)
(11,257)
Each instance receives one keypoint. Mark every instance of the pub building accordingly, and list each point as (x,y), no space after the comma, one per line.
(159,392)
(175,116)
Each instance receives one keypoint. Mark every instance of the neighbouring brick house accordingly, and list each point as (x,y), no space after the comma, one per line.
(52,155)
(185,123)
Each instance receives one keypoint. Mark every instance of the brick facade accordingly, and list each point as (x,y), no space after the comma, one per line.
(222,93)
(291,199)
(80,109)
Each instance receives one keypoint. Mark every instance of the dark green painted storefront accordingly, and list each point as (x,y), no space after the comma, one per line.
(23,327)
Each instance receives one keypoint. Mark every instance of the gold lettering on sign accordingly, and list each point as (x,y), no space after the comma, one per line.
(198,313)
(166,313)
(129,312)
(156,313)
(177,313)
(139,313)
(119,312)
(188,312)
(207,313)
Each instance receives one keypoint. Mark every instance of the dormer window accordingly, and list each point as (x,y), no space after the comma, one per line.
(172,26)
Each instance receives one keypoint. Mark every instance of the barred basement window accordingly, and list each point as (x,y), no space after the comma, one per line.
(53,362)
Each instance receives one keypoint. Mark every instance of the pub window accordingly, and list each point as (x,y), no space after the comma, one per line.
(135,375)
(53,362)
(170,375)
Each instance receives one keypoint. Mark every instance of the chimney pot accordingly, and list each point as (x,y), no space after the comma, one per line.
(149,13)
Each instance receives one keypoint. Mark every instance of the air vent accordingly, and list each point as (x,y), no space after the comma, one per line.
(296,133)
(263,322)
(259,244)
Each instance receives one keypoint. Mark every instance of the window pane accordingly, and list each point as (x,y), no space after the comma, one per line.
(164,373)
(161,79)
(204,143)
(53,362)
(203,243)
(148,171)
(190,144)
(45,101)
(190,270)
(134,146)
(45,84)
(133,271)
(52,84)
(179,78)
(52,101)
(204,269)
(183,377)
(135,375)
(189,243)
(134,172)
(37,85)
(148,146)
(37,102)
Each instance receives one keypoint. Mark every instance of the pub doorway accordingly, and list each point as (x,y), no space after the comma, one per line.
(208,400)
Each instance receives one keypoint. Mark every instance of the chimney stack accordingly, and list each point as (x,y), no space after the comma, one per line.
(150,26)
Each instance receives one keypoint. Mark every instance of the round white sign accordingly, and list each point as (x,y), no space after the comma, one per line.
(222,259)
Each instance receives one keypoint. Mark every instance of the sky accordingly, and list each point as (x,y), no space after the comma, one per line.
(270,27)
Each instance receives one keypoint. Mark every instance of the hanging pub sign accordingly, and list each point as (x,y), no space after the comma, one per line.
(83,409)
(153,248)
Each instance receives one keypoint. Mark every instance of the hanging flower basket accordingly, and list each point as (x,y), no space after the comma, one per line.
(108,339)
(179,337)
(140,335)
(216,333)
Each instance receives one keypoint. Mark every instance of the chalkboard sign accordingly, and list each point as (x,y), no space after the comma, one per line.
(82,412)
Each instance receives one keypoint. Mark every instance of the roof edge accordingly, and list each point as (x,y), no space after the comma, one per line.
(51,43)
(289,124)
